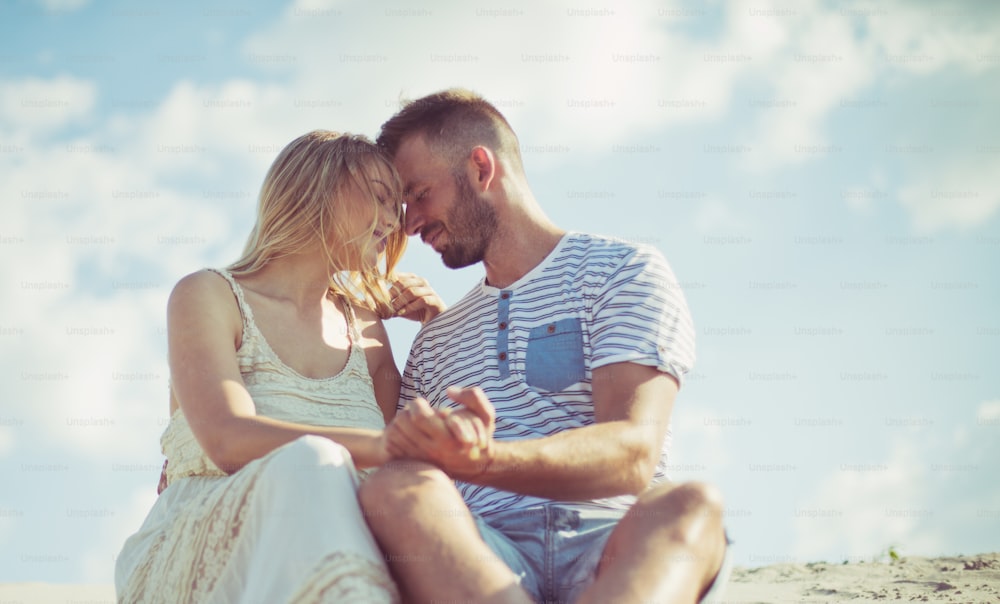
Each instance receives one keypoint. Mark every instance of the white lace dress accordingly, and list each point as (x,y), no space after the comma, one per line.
(286,527)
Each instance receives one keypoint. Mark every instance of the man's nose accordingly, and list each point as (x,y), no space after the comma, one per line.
(412,221)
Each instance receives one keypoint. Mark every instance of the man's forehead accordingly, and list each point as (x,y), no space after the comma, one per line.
(412,149)
(415,162)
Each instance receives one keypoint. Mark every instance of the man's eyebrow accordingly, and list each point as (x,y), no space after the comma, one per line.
(408,188)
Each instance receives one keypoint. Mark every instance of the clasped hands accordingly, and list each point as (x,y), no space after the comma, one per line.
(459,441)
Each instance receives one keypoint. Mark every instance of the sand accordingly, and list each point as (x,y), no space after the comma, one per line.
(909,579)
(974,579)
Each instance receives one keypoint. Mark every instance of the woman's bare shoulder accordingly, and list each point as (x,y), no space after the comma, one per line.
(371,326)
(203,293)
(365,315)
(201,285)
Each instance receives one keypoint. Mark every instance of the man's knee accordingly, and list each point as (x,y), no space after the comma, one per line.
(685,499)
(703,496)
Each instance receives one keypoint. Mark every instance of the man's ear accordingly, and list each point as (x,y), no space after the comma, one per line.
(482,168)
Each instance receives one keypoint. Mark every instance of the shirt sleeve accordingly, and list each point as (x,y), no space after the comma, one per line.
(410,387)
(641,316)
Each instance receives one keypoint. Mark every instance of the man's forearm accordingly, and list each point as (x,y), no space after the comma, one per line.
(602,460)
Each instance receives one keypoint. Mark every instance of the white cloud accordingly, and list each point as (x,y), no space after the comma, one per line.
(862,198)
(930,490)
(921,38)
(299,6)
(616,74)
(960,194)
(954,38)
(44,105)
(852,510)
(109,227)
(829,55)
(5,526)
(989,412)
(701,444)
(196,129)
(821,64)
(6,440)
(714,216)
(619,75)
(56,6)
(99,561)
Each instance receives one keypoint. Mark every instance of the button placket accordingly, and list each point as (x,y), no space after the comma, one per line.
(503,310)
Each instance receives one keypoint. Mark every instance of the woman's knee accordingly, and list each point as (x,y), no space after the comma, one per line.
(306,456)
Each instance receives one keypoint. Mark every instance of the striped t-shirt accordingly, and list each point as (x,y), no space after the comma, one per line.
(532,347)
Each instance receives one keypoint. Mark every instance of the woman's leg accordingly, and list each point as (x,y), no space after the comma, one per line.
(303,537)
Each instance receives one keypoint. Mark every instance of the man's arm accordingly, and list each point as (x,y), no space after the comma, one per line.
(615,456)
(641,337)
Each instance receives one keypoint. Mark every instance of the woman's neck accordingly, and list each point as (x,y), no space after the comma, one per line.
(303,279)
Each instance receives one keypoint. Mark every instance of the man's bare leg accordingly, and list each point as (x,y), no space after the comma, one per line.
(668,548)
(430,539)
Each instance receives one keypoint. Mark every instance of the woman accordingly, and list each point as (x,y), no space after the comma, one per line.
(281,382)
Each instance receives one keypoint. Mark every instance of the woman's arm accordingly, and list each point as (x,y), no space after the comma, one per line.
(381,364)
(412,298)
(204,328)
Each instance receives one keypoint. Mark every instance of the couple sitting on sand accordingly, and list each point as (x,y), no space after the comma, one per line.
(521,457)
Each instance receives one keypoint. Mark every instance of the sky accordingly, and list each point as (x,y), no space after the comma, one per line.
(822,177)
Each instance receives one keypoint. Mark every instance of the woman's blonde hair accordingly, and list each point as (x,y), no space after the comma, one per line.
(304,200)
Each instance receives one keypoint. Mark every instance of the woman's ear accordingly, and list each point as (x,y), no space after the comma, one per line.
(482,168)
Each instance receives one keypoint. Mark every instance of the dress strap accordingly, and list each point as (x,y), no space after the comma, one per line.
(245,310)
(352,321)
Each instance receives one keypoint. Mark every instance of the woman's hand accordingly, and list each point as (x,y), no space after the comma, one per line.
(413,298)
(381,454)
(459,441)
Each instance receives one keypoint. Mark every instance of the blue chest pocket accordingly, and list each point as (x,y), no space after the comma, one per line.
(554,360)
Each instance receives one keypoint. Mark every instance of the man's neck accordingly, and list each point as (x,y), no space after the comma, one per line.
(515,253)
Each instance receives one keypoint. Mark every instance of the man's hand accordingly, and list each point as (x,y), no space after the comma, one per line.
(413,298)
(459,441)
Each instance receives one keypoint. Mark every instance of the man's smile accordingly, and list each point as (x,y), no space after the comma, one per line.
(431,235)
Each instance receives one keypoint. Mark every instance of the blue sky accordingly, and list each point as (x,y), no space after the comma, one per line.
(822,178)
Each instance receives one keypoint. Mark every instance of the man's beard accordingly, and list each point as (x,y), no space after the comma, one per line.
(472,223)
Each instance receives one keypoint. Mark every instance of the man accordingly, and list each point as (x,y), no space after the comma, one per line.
(579,344)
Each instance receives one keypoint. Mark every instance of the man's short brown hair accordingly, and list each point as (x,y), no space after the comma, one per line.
(453,122)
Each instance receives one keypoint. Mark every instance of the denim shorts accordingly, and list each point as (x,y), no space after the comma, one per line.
(555,548)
